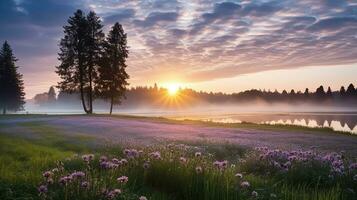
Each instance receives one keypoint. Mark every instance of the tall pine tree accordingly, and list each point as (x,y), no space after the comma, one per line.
(12,95)
(79,53)
(111,84)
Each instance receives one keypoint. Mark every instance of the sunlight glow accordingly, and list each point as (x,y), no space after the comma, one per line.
(173,89)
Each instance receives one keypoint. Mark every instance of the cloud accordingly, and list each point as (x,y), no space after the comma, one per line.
(199,39)
(334,23)
(119,16)
(156,17)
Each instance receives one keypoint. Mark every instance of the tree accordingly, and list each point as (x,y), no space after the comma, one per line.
(111,84)
(320,92)
(342,91)
(79,50)
(329,92)
(51,95)
(12,95)
(350,90)
(95,41)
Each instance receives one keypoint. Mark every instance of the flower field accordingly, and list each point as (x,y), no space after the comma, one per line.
(180,171)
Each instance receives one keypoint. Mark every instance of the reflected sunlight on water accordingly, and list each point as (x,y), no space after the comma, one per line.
(337,121)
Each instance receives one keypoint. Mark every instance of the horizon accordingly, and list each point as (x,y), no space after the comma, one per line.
(280,45)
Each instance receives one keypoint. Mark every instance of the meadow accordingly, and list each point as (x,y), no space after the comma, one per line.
(46,163)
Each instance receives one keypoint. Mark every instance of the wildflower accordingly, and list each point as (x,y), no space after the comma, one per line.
(47,174)
(123,179)
(355,177)
(198,154)
(239,175)
(115,160)
(131,153)
(112,194)
(272,195)
(42,189)
(199,169)
(183,160)
(66,179)
(78,174)
(124,161)
(87,158)
(221,165)
(245,184)
(156,155)
(103,159)
(255,194)
(143,198)
(85,184)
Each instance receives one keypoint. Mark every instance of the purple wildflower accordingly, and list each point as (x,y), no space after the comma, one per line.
(123,179)
(42,189)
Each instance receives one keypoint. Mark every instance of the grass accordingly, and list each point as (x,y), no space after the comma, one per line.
(243,125)
(24,159)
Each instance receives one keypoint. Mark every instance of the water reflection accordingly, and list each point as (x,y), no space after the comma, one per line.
(339,122)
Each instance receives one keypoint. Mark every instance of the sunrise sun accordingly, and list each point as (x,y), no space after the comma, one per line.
(173,89)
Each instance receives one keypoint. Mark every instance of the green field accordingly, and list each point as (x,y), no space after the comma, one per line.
(179,172)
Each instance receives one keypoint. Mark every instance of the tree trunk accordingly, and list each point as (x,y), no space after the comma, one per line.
(83,100)
(111,104)
(81,88)
(90,91)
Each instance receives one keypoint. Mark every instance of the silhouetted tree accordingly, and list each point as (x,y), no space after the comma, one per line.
(51,95)
(350,90)
(79,50)
(113,77)
(329,92)
(12,95)
(320,92)
(342,91)
(95,43)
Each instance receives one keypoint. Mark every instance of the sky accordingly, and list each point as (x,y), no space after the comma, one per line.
(208,45)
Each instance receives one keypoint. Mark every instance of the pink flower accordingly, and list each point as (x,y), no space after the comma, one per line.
(114,193)
(78,174)
(124,161)
(123,179)
(143,198)
(245,184)
(42,189)
(183,160)
(87,158)
(156,155)
(47,174)
(103,158)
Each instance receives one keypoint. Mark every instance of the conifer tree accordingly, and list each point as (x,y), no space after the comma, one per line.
(12,95)
(111,84)
(79,53)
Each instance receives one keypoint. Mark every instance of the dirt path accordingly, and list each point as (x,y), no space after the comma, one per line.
(147,131)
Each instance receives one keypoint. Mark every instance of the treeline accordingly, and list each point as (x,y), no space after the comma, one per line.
(159,97)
